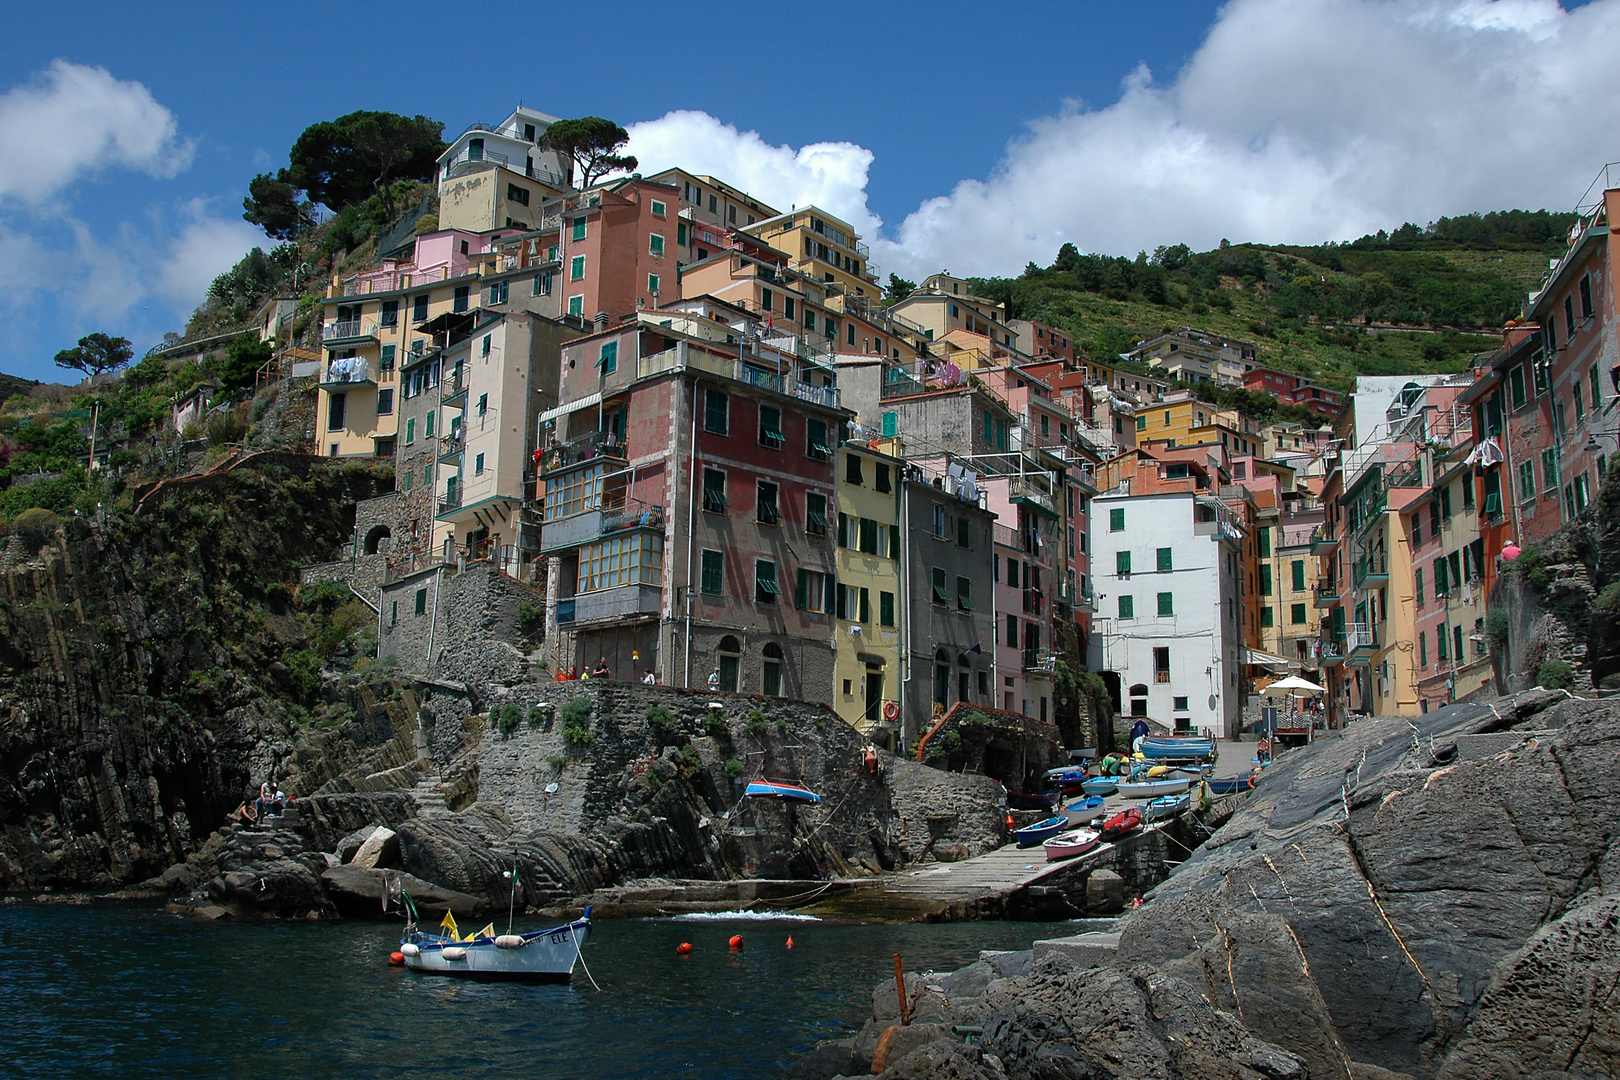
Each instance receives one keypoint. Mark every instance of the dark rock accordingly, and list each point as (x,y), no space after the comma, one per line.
(358,891)
(282,887)
(380,851)
(1105,892)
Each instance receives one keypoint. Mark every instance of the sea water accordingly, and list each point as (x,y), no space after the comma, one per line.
(125,990)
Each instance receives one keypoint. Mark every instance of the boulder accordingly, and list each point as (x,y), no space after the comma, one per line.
(379,851)
(357,892)
(282,887)
(350,844)
(1105,892)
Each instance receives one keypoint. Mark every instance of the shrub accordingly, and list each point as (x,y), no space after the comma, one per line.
(661,720)
(755,726)
(506,720)
(530,617)
(557,762)
(536,716)
(576,712)
(1532,566)
(715,723)
(687,762)
(36,527)
(733,767)
(1608,601)
(578,736)
(1497,628)
(1555,675)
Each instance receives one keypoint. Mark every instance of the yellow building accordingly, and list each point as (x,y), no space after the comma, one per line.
(1182,420)
(823,248)
(866,665)
(1381,630)
(1287,572)
(943,303)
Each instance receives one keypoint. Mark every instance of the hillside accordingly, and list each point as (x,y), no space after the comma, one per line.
(1416,300)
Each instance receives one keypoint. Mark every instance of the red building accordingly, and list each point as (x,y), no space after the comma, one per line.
(1293,389)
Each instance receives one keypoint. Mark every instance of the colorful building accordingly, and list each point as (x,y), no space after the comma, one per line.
(870,618)
(495,177)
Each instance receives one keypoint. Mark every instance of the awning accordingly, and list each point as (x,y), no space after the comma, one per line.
(573,406)
(1255,656)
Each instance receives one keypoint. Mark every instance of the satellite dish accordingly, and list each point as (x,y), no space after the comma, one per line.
(551,788)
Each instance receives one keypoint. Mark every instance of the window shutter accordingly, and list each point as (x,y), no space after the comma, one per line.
(801,590)
(891,425)
(1164,559)
(866,605)
(843,529)
(894,541)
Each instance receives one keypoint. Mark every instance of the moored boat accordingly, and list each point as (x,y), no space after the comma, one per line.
(781,789)
(1228,785)
(537,956)
(1040,800)
(1147,789)
(1163,748)
(1068,780)
(1100,785)
(1084,810)
(1041,831)
(1068,845)
(1165,806)
(1121,824)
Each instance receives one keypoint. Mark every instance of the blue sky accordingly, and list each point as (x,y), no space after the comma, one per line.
(969,136)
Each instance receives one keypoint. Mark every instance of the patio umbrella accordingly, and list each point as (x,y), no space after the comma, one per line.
(1293,686)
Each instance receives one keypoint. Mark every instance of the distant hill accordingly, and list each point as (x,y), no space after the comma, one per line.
(1419,299)
(12,385)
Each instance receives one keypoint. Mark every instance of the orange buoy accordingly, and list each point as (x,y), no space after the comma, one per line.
(1009,821)
(684,949)
(790,941)
(397,959)
(736,943)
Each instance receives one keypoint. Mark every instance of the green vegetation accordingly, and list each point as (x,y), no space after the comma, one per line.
(341,164)
(733,767)
(507,718)
(536,716)
(1555,675)
(577,736)
(593,143)
(96,354)
(663,726)
(1497,628)
(577,713)
(36,527)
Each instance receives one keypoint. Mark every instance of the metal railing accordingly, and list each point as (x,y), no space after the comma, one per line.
(451,500)
(1370,567)
(349,370)
(595,444)
(349,328)
(1360,636)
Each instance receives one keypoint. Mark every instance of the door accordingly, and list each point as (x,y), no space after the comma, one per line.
(728,672)
(874,695)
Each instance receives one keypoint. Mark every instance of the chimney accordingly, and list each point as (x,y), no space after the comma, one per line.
(601,321)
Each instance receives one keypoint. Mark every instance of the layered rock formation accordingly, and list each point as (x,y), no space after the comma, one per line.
(1436,896)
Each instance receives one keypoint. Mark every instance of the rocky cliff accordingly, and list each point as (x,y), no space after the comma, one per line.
(1436,896)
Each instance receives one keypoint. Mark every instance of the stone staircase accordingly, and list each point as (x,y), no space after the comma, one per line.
(429,798)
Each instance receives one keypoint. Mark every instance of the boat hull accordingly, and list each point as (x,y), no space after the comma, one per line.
(1041,831)
(1078,813)
(1041,800)
(1229,785)
(1152,788)
(1100,785)
(545,956)
(1068,845)
(778,789)
(1121,825)
(1165,806)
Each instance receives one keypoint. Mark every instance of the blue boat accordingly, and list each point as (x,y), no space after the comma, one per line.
(1229,785)
(1084,810)
(1038,800)
(1066,777)
(781,789)
(1042,831)
(1165,749)
(1165,806)
(1100,785)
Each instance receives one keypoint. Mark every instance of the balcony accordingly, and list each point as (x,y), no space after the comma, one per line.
(455,386)
(451,500)
(588,447)
(1325,594)
(1034,602)
(1324,540)
(451,445)
(1332,653)
(610,605)
(1037,660)
(1030,495)
(1372,571)
(349,332)
(352,372)
(1361,641)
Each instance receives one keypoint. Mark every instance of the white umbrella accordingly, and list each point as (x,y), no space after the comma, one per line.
(1294,686)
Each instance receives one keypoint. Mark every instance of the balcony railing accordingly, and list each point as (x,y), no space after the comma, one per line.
(588,447)
(347,371)
(1360,636)
(451,500)
(1037,660)
(1371,570)
(1326,594)
(349,330)
(1034,601)
(452,444)
(1323,540)
(1029,493)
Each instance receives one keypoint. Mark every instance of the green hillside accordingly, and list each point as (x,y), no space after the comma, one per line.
(1415,300)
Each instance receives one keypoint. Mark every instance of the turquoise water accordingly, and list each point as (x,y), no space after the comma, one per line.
(125,990)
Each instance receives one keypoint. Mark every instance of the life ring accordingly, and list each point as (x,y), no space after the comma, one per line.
(1263,746)
(891,710)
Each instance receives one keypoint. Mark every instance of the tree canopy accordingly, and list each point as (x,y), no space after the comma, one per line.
(277,206)
(593,143)
(96,354)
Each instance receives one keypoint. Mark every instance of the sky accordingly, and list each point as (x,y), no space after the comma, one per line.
(973,138)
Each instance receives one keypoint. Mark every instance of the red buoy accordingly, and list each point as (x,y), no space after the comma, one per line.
(736,943)
(790,941)
(397,959)
(684,949)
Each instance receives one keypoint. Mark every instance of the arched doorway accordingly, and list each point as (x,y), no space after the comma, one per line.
(771,669)
(1139,696)
(729,662)
(375,537)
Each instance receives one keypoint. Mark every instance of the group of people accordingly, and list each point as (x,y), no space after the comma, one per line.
(271,801)
(602,671)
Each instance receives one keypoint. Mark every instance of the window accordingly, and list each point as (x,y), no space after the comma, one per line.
(1417,586)
(1263,538)
(810,591)
(789,308)
(410,431)
(635,558)
(716,411)
(1161,664)
(336,405)
(1167,604)
(658,208)
(766,511)
(1516,392)
(1127,607)
(483,406)
(867,539)
(1265,579)
(815,514)
(941,594)
(852,472)
(815,438)
(714,563)
(1586,297)
(770,426)
(939,522)
(1597,393)
(460,298)
(886,608)
(419,309)
(767,301)
(765,588)
(390,313)
(576,268)
(891,424)
(655,246)
(498,293)
(680,234)
(894,541)
(1267,618)
(1298,569)
(1549,470)
(429,421)
(608,361)
(517,194)
(964,594)
(1569,328)
(714,491)
(1457,653)
(386,360)
(1165,558)
(478,465)
(1468,493)
(1122,563)
(421,601)
(1580,405)
(579,228)
(654,285)
(1116,519)
(576,305)
(881,480)
(962,532)
(385,402)
(410,475)
(1012,631)
(1296,615)
(1445,502)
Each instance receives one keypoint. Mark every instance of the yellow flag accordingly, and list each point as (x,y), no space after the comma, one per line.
(488,931)
(448,924)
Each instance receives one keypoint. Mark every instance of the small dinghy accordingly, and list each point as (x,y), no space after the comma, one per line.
(1084,810)
(1100,785)
(1121,824)
(781,789)
(1170,748)
(1229,785)
(1067,780)
(1041,831)
(1148,789)
(1165,806)
(1068,845)
(1040,800)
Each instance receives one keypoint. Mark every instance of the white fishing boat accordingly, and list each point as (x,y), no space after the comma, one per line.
(1149,789)
(1070,844)
(537,956)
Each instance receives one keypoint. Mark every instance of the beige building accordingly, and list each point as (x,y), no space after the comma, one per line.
(495,177)
(943,303)
(823,248)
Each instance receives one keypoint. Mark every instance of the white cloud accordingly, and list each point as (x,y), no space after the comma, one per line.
(829,175)
(204,249)
(72,120)
(1301,121)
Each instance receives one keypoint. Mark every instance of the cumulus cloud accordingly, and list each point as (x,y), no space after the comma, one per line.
(204,249)
(1301,121)
(72,120)
(829,175)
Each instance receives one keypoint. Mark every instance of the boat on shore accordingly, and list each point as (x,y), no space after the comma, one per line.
(781,789)
(537,956)
(1039,800)
(1068,845)
(1165,806)
(1147,789)
(1121,824)
(1229,785)
(1084,810)
(1100,785)
(1165,749)
(1041,831)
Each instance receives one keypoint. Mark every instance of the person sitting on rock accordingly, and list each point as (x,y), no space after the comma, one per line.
(267,797)
(601,670)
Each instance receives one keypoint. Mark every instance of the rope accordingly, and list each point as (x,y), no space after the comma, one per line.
(579,954)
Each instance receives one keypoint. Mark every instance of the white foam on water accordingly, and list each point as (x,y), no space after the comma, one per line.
(742,916)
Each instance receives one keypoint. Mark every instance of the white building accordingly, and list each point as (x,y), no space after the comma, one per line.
(1166,633)
(493,177)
